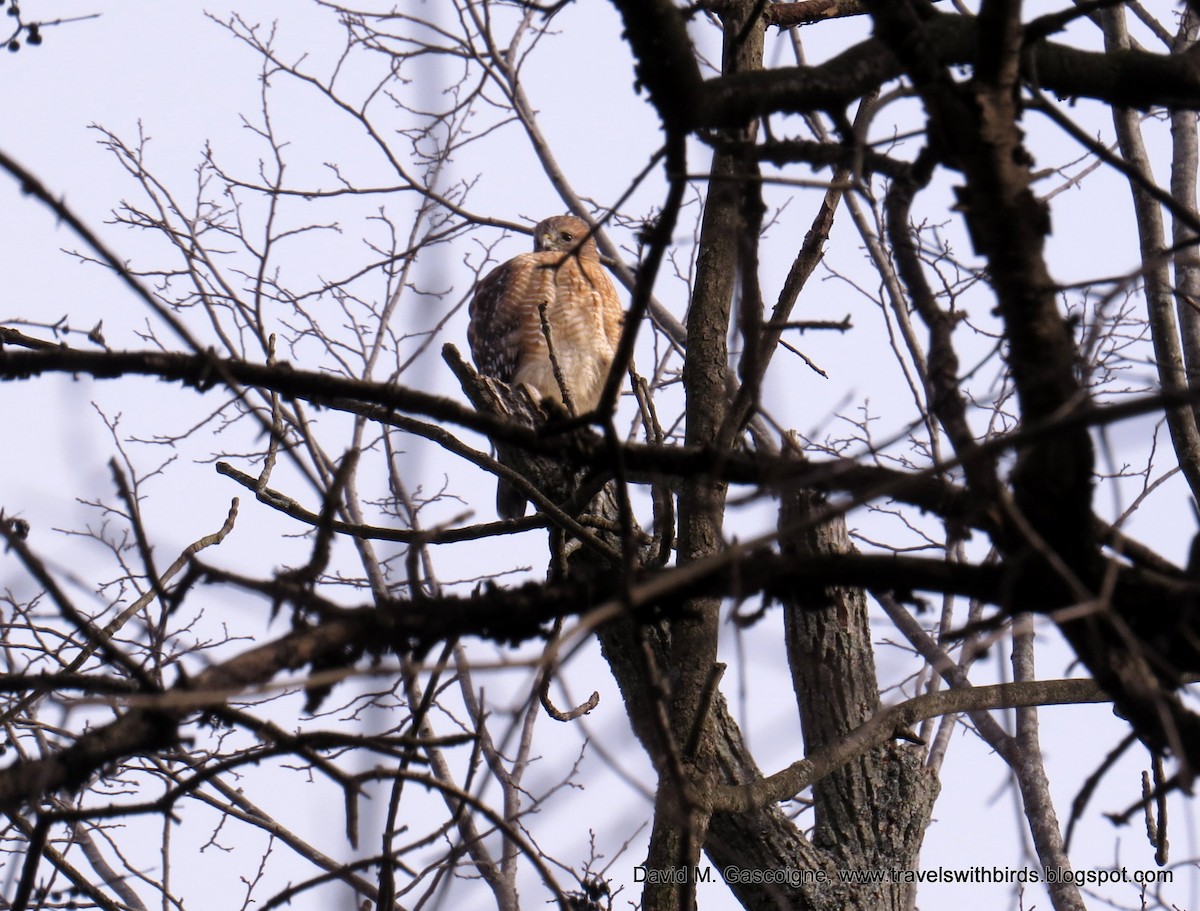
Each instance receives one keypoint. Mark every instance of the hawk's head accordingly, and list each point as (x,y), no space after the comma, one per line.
(564,234)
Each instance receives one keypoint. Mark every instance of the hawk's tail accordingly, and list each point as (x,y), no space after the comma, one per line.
(510,502)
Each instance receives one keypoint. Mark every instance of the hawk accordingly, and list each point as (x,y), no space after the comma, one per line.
(583,314)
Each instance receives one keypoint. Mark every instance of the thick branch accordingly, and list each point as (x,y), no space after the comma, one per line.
(883,726)
(1130,78)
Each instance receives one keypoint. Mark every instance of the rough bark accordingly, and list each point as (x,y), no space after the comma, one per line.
(872,812)
(680,817)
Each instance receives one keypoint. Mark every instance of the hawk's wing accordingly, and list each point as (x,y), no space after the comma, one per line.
(499,314)
(612,314)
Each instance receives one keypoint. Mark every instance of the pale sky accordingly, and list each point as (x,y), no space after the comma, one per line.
(165,69)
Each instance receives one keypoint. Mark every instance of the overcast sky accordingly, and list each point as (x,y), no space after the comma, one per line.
(163,68)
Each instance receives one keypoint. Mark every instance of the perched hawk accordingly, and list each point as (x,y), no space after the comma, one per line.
(583,313)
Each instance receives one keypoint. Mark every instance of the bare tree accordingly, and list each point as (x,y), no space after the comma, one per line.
(793,237)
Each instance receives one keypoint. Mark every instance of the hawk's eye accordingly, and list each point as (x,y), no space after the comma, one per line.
(566,235)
